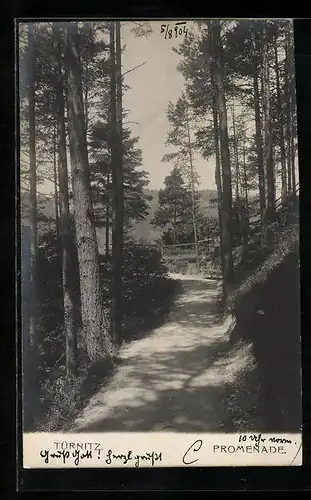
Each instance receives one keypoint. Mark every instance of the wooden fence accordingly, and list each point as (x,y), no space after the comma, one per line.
(205,247)
(210,247)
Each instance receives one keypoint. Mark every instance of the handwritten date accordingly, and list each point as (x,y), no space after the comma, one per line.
(178,30)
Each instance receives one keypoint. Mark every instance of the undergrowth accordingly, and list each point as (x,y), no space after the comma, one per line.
(202,266)
(242,397)
(247,279)
(65,396)
(265,305)
(147,297)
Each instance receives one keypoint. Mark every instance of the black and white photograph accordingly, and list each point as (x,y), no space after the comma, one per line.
(159,230)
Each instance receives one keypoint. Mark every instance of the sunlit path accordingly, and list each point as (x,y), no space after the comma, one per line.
(174,379)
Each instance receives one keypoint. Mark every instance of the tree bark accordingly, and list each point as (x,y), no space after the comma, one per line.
(236,156)
(288,97)
(245,211)
(56,199)
(225,156)
(64,226)
(94,316)
(194,224)
(237,178)
(218,179)
(281,124)
(175,220)
(33,188)
(268,156)
(86,109)
(117,181)
(107,228)
(293,155)
(258,125)
(292,109)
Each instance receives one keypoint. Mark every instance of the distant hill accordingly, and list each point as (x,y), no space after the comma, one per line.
(145,231)
(142,230)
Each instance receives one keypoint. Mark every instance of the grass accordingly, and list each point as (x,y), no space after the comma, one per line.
(287,244)
(66,396)
(242,397)
(63,397)
(201,267)
(265,305)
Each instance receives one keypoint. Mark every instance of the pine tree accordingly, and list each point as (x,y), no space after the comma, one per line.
(33,180)
(117,179)
(175,209)
(267,131)
(135,179)
(218,73)
(179,136)
(65,226)
(94,316)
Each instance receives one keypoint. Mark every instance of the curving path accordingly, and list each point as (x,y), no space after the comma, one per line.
(175,378)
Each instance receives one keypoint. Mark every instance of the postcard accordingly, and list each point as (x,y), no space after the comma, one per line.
(159,214)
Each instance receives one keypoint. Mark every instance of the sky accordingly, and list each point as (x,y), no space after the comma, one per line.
(153,86)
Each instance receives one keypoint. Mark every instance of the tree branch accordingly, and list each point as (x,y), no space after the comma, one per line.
(135,123)
(135,67)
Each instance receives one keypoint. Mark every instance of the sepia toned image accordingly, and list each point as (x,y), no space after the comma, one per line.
(159,209)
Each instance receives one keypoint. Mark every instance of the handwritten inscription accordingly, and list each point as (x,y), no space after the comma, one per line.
(150,458)
(258,438)
(194,453)
(191,454)
(64,455)
(78,456)
(246,444)
(179,29)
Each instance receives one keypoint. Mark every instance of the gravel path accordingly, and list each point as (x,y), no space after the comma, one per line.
(173,379)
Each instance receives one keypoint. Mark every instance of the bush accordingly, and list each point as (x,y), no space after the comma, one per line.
(145,282)
(147,294)
(267,312)
(64,397)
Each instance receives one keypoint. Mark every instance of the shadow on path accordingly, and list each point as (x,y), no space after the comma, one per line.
(172,380)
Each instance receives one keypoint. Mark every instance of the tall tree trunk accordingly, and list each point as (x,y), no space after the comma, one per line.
(236,156)
(65,227)
(246,207)
(237,178)
(107,222)
(94,316)
(218,179)
(117,180)
(281,123)
(268,156)
(293,166)
(33,187)
(258,125)
(85,77)
(56,200)
(29,366)
(293,108)
(194,223)
(30,244)
(288,98)
(225,156)
(175,221)
(86,109)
